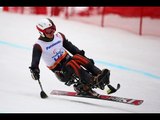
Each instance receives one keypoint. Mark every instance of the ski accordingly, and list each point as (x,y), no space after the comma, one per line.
(100,97)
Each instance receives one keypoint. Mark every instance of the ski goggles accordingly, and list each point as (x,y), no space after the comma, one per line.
(49,30)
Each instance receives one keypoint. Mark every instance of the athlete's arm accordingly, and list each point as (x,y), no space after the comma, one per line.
(36,55)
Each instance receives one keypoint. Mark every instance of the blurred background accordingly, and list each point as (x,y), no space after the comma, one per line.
(103,16)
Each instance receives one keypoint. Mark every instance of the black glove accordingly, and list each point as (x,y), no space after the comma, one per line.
(35,73)
(91,60)
(82,52)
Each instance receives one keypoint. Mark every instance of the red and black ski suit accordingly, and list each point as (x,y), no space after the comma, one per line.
(68,65)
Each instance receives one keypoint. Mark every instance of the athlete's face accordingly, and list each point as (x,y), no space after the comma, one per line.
(49,32)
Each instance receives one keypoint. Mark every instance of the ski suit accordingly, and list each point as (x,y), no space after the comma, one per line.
(56,54)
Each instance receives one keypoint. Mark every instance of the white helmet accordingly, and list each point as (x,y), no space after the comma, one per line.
(43,24)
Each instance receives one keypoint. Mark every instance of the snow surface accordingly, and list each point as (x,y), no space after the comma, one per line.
(132,59)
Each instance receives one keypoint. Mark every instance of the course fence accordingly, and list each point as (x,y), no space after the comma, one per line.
(139,20)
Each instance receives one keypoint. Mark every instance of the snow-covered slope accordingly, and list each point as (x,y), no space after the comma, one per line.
(132,59)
